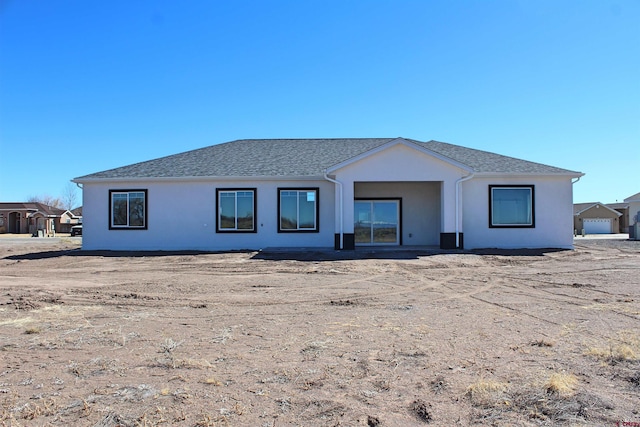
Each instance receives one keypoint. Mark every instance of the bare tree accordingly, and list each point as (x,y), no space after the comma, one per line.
(70,196)
(46,200)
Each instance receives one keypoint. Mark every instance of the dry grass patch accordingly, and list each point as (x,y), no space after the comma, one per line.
(556,400)
(626,347)
(32,411)
(561,384)
(189,363)
(213,381)
(171,361)
(487,393)
(313,349)
(33,330)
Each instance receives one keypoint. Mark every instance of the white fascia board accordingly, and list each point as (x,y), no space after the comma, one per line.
(43,214)
(527,175)
(601,205)
(199,179)
(391,143)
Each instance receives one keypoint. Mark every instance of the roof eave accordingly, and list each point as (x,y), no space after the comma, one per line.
(568,174)
(199,178)
(598,204)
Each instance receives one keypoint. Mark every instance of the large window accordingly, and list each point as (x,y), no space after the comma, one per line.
(511,206)
(236,210)
(128,209)
(297,209)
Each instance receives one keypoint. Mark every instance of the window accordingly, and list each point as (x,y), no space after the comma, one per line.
(236,210)
(128,209)
(511,206)
(297,209)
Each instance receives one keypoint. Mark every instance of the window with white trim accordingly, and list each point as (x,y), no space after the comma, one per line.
(128,209)
(511,206)
(236,210)
(298,209)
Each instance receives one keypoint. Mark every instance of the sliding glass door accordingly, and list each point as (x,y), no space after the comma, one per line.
(377,222)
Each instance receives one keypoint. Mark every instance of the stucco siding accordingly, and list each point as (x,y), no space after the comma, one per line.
(634,212)
(402,164)
(182,216)
(420,207)
(553,214)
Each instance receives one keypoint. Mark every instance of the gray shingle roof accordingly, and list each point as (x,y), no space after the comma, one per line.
(300,157)
(633,198)
(487,162)
(579,207)
(617,205)
(32,207)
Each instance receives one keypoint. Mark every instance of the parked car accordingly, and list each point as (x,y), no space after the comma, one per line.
(76,230)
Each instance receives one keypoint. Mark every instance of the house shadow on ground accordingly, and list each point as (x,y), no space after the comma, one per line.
(391,253)
(105,254)
(292,254)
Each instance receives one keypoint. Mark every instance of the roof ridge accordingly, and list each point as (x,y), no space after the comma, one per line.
(311,139)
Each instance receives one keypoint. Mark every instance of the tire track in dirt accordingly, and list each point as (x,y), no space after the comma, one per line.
(379,281)
(549,299)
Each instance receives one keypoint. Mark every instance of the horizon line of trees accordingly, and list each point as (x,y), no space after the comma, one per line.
(67,200)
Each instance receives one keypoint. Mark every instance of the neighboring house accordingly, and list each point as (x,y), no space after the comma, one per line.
(595,218)
(77,213)
(623,220)
(341,193)
(21,218)
(634,215)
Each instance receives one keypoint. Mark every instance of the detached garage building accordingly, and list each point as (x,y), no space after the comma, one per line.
(595,218)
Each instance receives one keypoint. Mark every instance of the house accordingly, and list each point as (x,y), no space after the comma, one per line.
(340,193)
(623,220)
(595,218)
(634,215)
(31,217)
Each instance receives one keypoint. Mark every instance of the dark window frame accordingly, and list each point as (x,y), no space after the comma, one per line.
(531,187)
(146,209)
(316,229)
(255,209)
(399,200)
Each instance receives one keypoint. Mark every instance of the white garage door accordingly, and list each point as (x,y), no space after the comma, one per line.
(597,225)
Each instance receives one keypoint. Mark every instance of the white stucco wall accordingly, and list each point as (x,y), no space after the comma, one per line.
(634,208)
(402,163)
(420,207)
(182,216)
(553,214)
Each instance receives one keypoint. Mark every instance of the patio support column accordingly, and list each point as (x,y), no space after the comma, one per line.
(448,230)
(458,244)
(338,213)
(347,203)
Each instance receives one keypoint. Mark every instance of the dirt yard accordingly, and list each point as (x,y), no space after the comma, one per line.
(310,339)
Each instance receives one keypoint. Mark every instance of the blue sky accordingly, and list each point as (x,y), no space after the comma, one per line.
(87,86)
